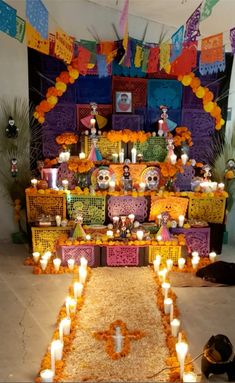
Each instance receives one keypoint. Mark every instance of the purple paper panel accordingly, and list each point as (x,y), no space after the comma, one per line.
(183,180)
(201,150)
(133,122)
(124,205)
(191,101)
(197,239)
(200,123)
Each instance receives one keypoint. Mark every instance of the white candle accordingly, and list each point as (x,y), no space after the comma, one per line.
(47,255)
(115,220)
(162,275)
(195,254)
(159,237)
(82,274)
(57,263)
(165,288)
(184,158)
(61,331)
(140,235)
(160,130)
(70,263)
(173,158)
(159,219)
(57,347)
(43,263)
(131,217)
(195,262)
(83,262)
(109,233)
(189,377)
(121,157)
(181,263)
(77,289)
(175,327)
(221,186)
(66,325)
(47,376)
(82,156)
(34,182)
(115,157)
(92,122)
(181,220)
(172,313)
(36,256)
(212,256)
(58,220)
(88,237)
(181,350)
(65,184)
(169,264)
(112,185)
(133,155)
(142,186)
(66,156)
(156,265)
(167,305)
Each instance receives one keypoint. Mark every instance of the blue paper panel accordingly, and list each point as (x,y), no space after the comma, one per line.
(37,15)
(94,89)
(7,19)
(164,92)
(154,115)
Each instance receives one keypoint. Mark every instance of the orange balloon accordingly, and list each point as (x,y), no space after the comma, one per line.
(52,100)
(195,83)
(209,106)
(186,80)
(200,92)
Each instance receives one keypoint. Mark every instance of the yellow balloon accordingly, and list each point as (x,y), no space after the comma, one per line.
(74,73)
(61,86)
(222,121)
(200,92)
(41,120)
(209,106)
(52,100)
(36,115)
(186,80)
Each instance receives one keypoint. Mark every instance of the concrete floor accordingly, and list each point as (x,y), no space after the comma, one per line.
(30,304)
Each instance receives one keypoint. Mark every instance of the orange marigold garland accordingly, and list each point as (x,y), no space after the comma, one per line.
(66,139)
(182,135)
(127,135)
(77,165)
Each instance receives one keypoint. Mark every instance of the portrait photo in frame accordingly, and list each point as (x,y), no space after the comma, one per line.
(123,102)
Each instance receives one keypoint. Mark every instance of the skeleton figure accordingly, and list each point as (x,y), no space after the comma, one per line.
(152,178)
(11,129)
(103,178)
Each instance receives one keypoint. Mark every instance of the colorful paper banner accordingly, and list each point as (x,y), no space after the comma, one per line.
(102,66)
(138,56)
(123,21)
(187,60)
(165,50)
(177,41)
(64,46)
(192,25)
(207,8)
(232,39)
(37,16)
(82,61)
(212,58)
(153,60)
(35,41)
(90,46)
(146,52)
(20,29)
(7,19)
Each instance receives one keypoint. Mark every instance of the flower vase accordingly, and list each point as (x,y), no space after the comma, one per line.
(50,175)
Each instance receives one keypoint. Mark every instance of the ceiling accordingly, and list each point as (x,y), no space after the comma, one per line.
(174,13)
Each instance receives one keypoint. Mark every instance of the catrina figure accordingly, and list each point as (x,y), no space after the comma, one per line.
(14,169)
(11,129)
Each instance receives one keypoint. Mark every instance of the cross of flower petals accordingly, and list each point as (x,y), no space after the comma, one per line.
(109,337)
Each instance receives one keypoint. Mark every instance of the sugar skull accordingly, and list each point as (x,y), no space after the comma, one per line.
(151,177)
(103,178)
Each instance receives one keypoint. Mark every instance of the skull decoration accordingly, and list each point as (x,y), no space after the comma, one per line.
(151,177)
(104,176)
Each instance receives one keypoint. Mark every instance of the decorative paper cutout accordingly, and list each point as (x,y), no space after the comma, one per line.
(20,29)
(153,60)
(51,44)
(166,252)
(164,92)
(124,18)
(175,206)
(37,16)
(146,53)
(45,239)
(76,252)
(177,41)
(232,39)
(102,66)
(90,46)
(82,60)
(64,46)
(165,50)
(187,60)
(192,25)
(46,204)
(35,41)
(207,209)
(124,205)
(212,58)
(7,19)
(108,48)
(122,256)
(138,56)
(207,8)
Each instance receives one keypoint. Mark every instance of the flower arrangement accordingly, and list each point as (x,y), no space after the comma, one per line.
(50,163)
(67,139)
(182,135)
(169,170)
(77,165)
(127,135)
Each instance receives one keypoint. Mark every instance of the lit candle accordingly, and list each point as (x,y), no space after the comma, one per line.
(195,254)
(189,377)
(66,156)
(181,220)
(115,220)
(162,275)
(169,264)
(181,263)
(66,325)
(172,313)
(57,347)
(165,288)
(65,184)
(159,238)
(131,217)
(82,274)
(142,186)
(47,255)
(112,185)
(109,233)
(57,263)
(212,256)
(115,157)
(47,376)
(82,156)
(92,122)
(184,158)
(121,156)
(83,262)
(67,305)
(88,237)
(195,262)
(181,350)
(160,126)
(61,331)
(43,263)
(58,220)
(133,155)
(173,158)
(77,289)
(36,256)
(167,305)
(175,327)
(156,265)
(159,219)
(221,186)
(140,235)
(70,263)
(34,182)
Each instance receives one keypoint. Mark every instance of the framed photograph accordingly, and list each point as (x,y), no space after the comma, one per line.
(123,102)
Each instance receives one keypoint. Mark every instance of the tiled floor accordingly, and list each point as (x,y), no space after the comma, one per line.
(30,304)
